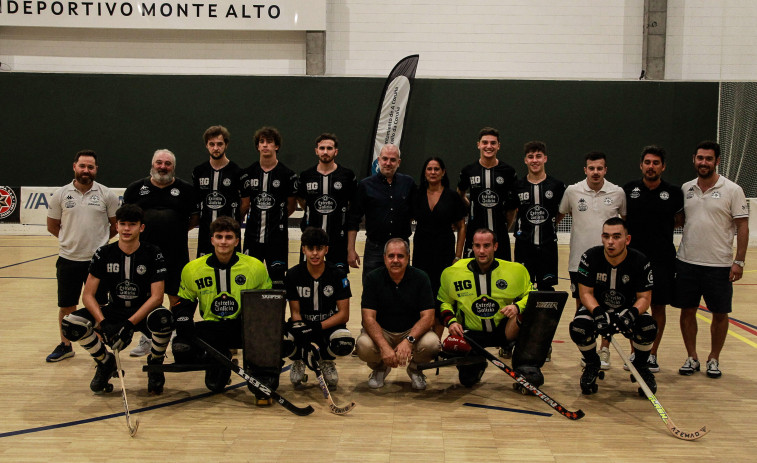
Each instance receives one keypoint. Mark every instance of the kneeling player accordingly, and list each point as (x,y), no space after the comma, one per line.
(319,301)
(615,285)
(216,280)
(133,274)
(484,296)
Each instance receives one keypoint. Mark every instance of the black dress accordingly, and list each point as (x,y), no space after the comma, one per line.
(434,240)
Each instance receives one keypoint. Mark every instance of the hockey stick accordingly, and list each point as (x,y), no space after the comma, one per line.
(520,379)
(327,394)
(132,427)
(675,430)
(257,385)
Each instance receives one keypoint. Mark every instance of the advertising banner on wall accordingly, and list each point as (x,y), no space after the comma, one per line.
(10,212)
(35,201)
(279,15)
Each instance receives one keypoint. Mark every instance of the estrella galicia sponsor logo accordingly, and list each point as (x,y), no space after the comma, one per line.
(8,202)
(488,198)
(127,290)
(613,299)
(224,306)
(264,201)
(485,307)
(537,215)
(240,279)
(325,205)
(215,200)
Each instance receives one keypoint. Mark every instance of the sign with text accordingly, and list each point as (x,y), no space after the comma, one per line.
(279,15)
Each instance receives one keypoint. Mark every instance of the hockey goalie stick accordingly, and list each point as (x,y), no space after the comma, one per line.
(257,385)
(675,430)
(327,394)
(132,426)
(520,379)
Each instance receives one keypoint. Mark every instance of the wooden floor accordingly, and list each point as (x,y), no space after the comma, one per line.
(49,414)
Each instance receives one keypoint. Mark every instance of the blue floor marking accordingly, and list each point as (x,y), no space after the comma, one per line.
(27,261)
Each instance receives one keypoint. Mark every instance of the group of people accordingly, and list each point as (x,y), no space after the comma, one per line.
(622,258)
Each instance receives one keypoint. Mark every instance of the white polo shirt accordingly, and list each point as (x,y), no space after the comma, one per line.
(589,210)
(84,224)
(710,228)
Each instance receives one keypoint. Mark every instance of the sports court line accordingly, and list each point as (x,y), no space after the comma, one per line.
(748,327)
(735,335)
(27,261)
(504,409)
(32,278)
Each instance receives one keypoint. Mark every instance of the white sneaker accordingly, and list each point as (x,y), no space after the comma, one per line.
(713,369)
(604,358)
(417,379)
(143,348)
(328,368)
(376,380)
(630,359)
(297,373)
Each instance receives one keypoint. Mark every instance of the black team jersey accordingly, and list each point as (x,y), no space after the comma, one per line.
(327,199)
(615,287)
(490,196)
(651,217)
(538,205)
(128,277)
(268,192)
(317,297)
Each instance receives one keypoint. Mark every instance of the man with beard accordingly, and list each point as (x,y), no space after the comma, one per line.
(170,212)
(218,185)
(653,207)
(715,208)
(325,192)
(82,215)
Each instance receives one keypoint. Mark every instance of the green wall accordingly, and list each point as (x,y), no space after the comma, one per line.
(46,118)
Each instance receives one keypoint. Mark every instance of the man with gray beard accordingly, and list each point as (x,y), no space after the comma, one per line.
(170,212)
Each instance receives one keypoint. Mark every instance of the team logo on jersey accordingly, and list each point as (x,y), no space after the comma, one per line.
(94,200)
(204,181)
(537,215)
(635,193)
(141,269)
(548,194)
(224,306)
(215,200)
(488,198)
(325,205)
(613,299)
(144,190)
(716,194)
(337,185)
(524,197)
(111,267)
(485,307)
(174,192)
(602,277)
(328,290)
(582,206)
(240,279)
(264,201)
(501,284)
(608,201)
(127,290)
(626,279)
(499,180)
(276,183)
(8,201)
(226,182)
(664,195)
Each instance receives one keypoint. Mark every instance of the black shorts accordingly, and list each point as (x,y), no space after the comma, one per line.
(693,282)
(574,285)
(663,274)
(71,277)
(540,261)
(275,255)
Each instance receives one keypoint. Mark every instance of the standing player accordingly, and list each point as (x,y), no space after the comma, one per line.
(590,202)
(82,216)
(483,295)
(491,182)
(132,272)
(271,187)
(539,197)
(615,284)
(325,192)
(218,184)
(715,209)
(653,205)
(319,301)
(217,280)
(170,208)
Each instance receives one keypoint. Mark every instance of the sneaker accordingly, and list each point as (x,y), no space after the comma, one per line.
(103,372)
(689,367)
(143,348)
(376,380)
(417,379)
(604,358)
(328,368)
(297,373)
(61,352)
(631,358)
(652,364)
(713,369)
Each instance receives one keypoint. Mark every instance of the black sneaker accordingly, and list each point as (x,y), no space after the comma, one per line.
(105,370)
(61,352)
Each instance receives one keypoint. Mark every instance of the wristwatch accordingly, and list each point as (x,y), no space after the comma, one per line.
(410,339)
(740,263)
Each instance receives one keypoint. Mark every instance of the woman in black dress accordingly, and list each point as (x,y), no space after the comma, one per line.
(439,212)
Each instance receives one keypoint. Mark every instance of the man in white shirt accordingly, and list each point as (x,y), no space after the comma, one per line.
(714,208)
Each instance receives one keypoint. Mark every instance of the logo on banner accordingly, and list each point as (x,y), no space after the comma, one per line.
(8,202)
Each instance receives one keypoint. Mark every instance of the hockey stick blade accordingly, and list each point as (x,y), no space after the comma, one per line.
(257,385)
(131,426)
(520,379)
(336,410)
(675,430)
